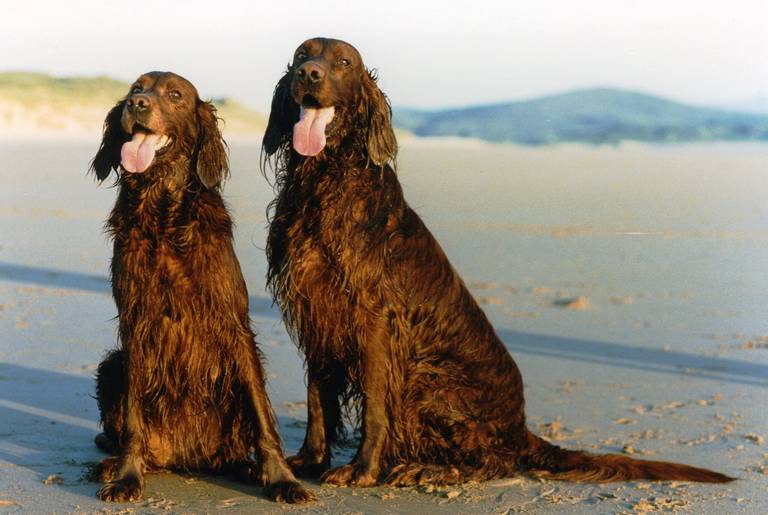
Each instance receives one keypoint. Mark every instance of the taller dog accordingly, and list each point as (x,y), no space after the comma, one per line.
(186,388)
(380,314)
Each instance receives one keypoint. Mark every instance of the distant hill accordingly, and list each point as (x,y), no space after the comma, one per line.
(34,104)
(38,105)
(589,116)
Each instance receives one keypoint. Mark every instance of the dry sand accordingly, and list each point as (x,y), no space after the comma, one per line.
(668,246)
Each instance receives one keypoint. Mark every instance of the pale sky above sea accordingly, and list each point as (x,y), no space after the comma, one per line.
(429,53)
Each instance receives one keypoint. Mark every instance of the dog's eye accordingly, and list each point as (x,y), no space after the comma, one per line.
(344,62)
(136,89)
(174,95)
(300,56)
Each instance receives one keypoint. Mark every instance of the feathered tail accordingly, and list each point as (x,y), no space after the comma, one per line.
(551,462)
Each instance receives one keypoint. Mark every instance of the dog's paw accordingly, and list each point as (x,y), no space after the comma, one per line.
(127,489)
(305,466)
(350,475)
(103,471)
(289,492)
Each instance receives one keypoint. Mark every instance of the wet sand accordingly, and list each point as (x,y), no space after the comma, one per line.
(628,282)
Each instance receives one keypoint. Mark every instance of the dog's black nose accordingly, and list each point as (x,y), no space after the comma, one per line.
(139,103)
(311,73)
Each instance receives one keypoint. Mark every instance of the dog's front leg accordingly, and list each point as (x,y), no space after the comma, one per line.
(280,483)
(365,468)
(129,480)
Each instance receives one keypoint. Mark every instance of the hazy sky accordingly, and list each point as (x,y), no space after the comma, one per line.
(428,53)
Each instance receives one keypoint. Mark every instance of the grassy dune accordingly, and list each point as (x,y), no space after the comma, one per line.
(38,105)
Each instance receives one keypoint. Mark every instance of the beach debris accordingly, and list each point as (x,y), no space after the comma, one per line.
(625,421)
(657,505)
(159,502)
(622,300)
(386,496)
(7,502)
(227,503)
(521,314)
(21,322)
(492,300)
(701,440)
(551,430)
(53,479)
(539,290)
(484,285)
(648,434)
(760,342)
(573,303)
(754,438)
(503,483)
(569,385)
(452,494)
(555,430)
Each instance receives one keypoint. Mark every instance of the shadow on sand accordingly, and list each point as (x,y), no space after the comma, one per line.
(637,358)
(611,354)
(54,278)
(47,424)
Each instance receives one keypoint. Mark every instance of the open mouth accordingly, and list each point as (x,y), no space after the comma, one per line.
(137,155)
(311,101)
(309,136)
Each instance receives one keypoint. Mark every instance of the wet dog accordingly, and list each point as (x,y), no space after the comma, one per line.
(185,390)
(380,314)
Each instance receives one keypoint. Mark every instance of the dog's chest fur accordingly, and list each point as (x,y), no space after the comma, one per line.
(172,251)
(328,248)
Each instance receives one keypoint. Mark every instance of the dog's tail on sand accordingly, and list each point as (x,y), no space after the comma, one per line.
(552,462)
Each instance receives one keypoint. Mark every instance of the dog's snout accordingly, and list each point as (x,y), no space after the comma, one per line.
(311,73)
(139,103)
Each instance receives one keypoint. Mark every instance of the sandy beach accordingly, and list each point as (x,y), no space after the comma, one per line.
(629,282)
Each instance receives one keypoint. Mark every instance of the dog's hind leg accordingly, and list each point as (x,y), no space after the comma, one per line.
(323,422)
(110,396)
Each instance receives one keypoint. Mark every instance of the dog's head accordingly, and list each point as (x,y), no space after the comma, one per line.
(160,120)
(328,100)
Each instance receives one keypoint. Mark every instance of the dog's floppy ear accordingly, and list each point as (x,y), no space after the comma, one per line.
(282,116)
(108,156)
(376,113)
(210,159)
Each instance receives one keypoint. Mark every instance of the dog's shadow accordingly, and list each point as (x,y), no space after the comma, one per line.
(48,421)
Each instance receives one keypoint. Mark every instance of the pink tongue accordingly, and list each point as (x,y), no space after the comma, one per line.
(137,154)
(309,131)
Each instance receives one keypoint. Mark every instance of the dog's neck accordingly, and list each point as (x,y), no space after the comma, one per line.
(173,176)
(156,200)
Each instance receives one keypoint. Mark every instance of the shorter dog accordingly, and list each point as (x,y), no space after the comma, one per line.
(186,388)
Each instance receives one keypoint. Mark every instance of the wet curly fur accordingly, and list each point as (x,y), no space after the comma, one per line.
(382,317)
(185,389)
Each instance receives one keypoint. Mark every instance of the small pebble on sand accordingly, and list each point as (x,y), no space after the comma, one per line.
(574,303)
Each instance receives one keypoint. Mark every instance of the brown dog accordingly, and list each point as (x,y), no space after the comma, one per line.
(379,312)
(186,388)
